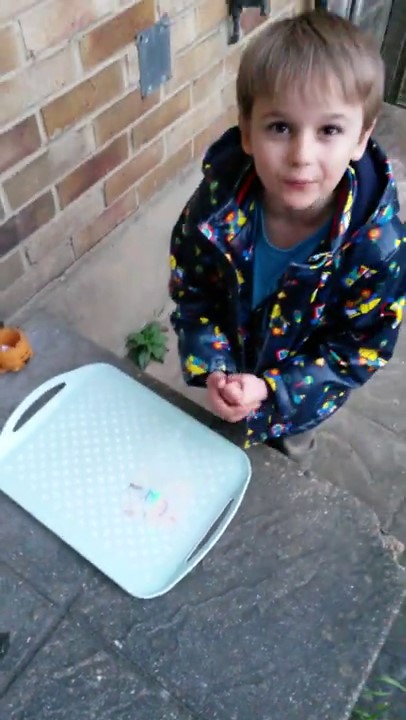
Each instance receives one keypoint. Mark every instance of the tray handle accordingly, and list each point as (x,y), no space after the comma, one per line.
(213,534)
(33,398)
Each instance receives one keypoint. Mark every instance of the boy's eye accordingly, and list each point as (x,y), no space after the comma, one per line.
(331,130)
(279,128)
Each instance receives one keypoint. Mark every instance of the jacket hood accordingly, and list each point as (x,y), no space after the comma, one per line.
(227,164)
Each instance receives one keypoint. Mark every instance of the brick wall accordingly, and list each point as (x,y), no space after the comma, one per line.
(80,150)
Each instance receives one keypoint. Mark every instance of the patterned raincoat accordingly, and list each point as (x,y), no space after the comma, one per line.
(332,321)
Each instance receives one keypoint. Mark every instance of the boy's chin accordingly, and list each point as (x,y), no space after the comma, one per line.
(306,204)
(297,206)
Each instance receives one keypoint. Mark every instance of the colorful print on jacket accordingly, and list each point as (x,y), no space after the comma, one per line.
(332,322)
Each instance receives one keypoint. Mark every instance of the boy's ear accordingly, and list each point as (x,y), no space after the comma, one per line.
(363,142)
(245,129)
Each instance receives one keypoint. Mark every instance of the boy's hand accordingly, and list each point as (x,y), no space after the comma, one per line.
(232,398)
(254,390)
(232,412)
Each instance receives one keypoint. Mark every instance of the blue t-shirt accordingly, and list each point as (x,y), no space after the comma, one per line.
(271,262)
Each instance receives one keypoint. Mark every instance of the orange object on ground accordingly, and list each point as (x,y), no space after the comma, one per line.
(15,350)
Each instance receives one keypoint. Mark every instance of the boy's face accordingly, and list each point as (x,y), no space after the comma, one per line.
(302,145)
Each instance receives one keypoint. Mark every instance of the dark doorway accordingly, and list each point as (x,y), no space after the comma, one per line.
(394,54)
(386,21)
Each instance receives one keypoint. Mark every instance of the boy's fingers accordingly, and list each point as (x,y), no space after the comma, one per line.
(227,412)
(217,379)
(232,393)
(219,406)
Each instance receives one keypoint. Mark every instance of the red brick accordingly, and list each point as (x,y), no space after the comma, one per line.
(64,225)
(210,15)
(36,83)
(115,34)
(37,277)
(195,61)
(28,220)
(96,168)
(229,95)
(162,117)
(123,113)
(155,180)
(52,23)
(57,160)
(11,268)
(207,83)
(11,53)
(83,99)
(171,7)
(132,66)
(183,30)
(210,134)
(105,223)
(232,61)
(134,170)
(193,123)
(10,8)
(54,262)
(19,142)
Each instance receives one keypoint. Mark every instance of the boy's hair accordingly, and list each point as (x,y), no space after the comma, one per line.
(303,53)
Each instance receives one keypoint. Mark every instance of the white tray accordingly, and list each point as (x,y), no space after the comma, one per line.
(135,485)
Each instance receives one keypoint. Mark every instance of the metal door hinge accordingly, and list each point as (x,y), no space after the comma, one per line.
(235,8)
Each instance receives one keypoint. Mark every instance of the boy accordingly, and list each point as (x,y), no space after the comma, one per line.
(288,263)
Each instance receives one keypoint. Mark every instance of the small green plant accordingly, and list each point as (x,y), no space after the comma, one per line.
(380,709)
(147,344)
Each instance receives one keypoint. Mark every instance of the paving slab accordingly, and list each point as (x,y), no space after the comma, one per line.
(366,459)
(263,628)
(74,676)
(26,617)
(50,566)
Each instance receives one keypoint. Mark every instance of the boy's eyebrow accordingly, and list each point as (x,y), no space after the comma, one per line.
(285,115)
(335,116)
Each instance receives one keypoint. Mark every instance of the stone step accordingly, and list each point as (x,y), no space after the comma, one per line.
(283,619)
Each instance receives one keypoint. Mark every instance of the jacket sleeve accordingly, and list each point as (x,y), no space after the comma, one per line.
(343,355)
(196,288)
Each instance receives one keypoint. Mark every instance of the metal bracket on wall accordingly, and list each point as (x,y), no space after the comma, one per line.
(154,54)
(235,8)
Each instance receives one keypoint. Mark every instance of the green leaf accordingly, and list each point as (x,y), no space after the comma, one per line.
(147,334)
(133,355)
(150,342)
(159,354)
(134,338)
(155,326)
(394,683)
(158,346)
(144,359)
(360,715)
(371,694)
(376,714)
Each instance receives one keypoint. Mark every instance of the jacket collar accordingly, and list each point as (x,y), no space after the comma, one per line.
(367,194)
(224,228)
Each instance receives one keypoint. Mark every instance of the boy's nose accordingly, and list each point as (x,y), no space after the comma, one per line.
(301,150)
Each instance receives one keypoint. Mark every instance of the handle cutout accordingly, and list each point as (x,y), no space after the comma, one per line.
(212,531)
(37,405)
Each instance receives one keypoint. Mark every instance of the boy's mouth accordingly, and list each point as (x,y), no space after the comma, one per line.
(299,184)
